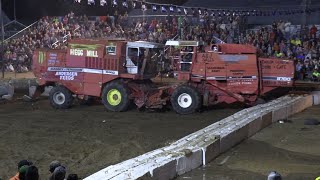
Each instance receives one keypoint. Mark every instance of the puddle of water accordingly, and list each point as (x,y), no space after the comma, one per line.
(291,149)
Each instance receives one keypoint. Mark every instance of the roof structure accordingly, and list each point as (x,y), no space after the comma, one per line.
(144,44)
(182,43)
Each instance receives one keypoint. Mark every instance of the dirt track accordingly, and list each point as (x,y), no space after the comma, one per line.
(87,139)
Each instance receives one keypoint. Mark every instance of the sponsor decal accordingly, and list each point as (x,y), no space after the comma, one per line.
(66,76)
(42,57)
(53,59)
(76,52)
(74,71)
(65,69)
(92,53)
(283,79)
(84,46)
(80,52)
(234,58)
(273,78)
(53,55)
(84,49)
(110,72)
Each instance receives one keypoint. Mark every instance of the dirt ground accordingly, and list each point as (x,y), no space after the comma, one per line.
(292,149)
(87,139)
(13,75)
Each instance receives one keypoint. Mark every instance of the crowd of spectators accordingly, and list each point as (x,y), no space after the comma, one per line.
(54,32)
(277,40)
(28,171)
(281,41)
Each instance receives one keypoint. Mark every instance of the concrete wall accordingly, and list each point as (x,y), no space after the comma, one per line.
(201,147)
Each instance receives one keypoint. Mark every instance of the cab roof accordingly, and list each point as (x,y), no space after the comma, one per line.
(182,43)
(145,44)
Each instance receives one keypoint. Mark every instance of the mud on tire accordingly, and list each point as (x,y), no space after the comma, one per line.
(60,97)
(115,96)
(185,100)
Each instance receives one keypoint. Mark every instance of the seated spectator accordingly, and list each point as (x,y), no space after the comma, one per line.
(53,165)
(315,75)
(32,173)
(72,177)
(22,168)
(59,173)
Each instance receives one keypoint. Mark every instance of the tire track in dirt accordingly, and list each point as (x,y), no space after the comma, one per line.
(87,139)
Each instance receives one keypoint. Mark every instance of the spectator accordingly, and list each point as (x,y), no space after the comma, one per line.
(32,173)
(53,165)
(59,173)
(22,167)
(72,177)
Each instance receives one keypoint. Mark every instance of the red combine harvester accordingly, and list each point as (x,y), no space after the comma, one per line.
(120,72)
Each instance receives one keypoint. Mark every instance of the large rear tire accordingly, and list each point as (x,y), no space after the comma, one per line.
(185,100)
(115,97)
(60,97)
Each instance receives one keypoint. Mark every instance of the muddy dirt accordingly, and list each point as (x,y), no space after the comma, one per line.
(292,149)
(87,139)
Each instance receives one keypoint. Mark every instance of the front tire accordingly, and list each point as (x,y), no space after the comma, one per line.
(115,97)
(60,97)
(185,100)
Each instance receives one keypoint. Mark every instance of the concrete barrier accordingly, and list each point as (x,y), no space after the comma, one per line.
(201,147)
(316,97)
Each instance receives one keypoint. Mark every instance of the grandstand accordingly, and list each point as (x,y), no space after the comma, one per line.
(268,26)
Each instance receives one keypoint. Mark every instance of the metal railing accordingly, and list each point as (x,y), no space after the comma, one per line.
(20,32)
(64,40)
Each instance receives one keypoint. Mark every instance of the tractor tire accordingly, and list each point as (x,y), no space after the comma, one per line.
(115,97)
(185,100)
(60,97)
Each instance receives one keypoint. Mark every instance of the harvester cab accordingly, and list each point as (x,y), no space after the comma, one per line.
(142,58)
(182,54)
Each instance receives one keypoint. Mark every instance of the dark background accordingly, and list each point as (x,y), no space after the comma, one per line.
(27,11)
(34,9)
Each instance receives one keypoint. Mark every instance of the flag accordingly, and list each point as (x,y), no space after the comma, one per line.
(143,7)
(178,10)
(103,2)
(193,12)
(125,4)
(163,9)
(114,3)
(133,4)
(90,2)
(171,9)
(154,8)
(185,11)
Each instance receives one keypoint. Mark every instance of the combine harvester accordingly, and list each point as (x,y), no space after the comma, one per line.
(120,72)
